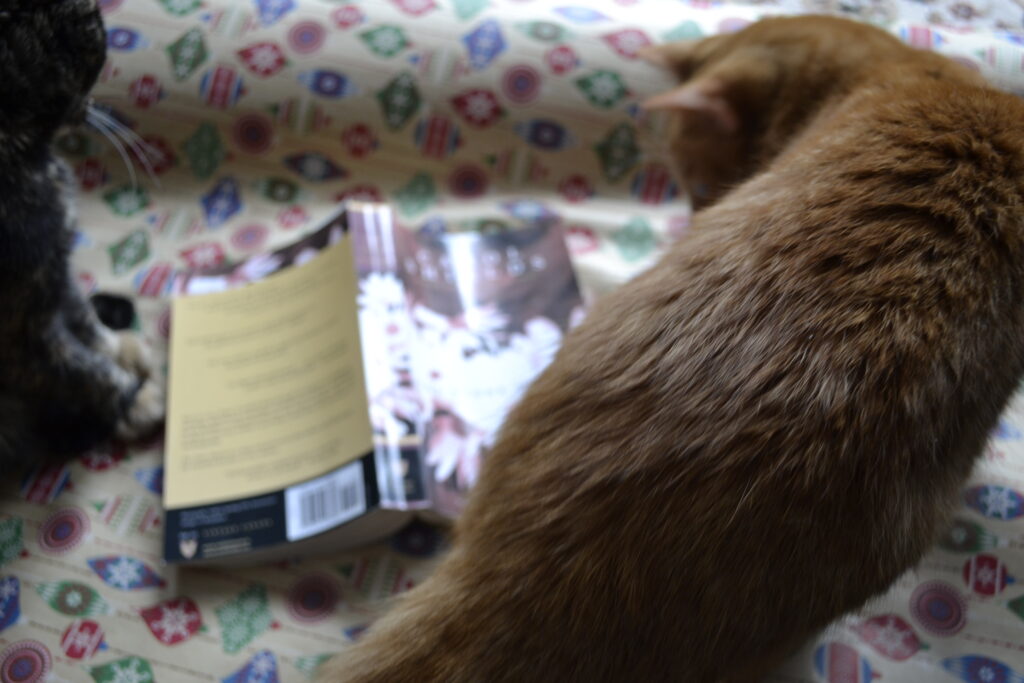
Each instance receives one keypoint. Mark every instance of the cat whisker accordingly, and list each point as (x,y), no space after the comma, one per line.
(97,124)
(130,138)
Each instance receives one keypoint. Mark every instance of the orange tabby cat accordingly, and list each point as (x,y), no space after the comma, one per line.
(765,429)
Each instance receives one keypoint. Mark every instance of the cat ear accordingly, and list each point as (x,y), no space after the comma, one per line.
(704,96)
(668,55)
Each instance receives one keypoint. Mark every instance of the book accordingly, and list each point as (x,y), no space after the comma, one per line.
(324,394)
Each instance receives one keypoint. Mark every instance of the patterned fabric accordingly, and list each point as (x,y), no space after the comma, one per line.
(256,117)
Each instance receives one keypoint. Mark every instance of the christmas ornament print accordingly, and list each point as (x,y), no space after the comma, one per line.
(204,151)
(249,237)
(627,42)
(836,662)
(653,184)
(125,573)
(128,514)
(328,83)
(279,190)
(221,87)
(180,8)
(545,134)
(127,670)
(204,255)
(995,502)
(618,152)
(399,100)
(264,59)
(10,539)
(73,598)
(468,181)
(127,200)
(62,531)
(603,88)
(314,167)
(146,91)
(521,84)
(986,575)
(313,598)
(416,196)
(243,618)
(173,621)
(939,608)
(979,669)
(581,15)
(187,54)
(635,240)
(561,59)
(26,661)
(261,668)
(436,137)
(272,11)
(890,636)
(155,280)
(82,638)
(306,37)
(484,44)
(478,107)
(104,457)
(385,41)
(223,201)
(347,16)
(965,536)
(309,664)
(359,140)
(44,483)
(253,133)
(10,602)
(125,39)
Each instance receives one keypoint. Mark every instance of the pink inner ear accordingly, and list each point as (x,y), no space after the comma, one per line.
(701,97)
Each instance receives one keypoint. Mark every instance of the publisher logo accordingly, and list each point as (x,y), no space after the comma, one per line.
(188,543)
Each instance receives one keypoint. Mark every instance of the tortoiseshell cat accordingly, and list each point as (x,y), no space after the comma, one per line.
(66,381)
(768,427)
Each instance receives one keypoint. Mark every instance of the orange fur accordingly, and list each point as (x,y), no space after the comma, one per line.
(765,429)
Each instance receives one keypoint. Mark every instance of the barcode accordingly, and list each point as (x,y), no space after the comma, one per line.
(325,502)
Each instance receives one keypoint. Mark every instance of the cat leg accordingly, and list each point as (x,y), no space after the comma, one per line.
(131,353)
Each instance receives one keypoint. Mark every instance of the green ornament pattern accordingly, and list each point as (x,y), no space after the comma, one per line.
(127,670)
(603,88)
(187,54)
(635,240)
(416,196)
(73,598)
(243,618)
(385,41)
(618,152)
(127,200)
(204,151)
(399,100)
(310,663)
(129,252)
(11,541)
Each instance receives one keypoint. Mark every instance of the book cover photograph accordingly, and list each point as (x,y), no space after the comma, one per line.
(325,393)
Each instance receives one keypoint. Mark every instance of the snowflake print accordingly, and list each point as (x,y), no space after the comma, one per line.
(264,58)
(8,588)
(130,671)
(998,502)
(80,640)
(128,203)
(262,664)
(480,107)
(986,674)
(985,576)
(605,86)
(180,6)
(630,41)
(124,573)
(387,40)
(890,639)
(174,623)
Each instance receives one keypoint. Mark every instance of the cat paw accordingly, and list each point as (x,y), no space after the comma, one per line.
(134,354)
(145,414)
